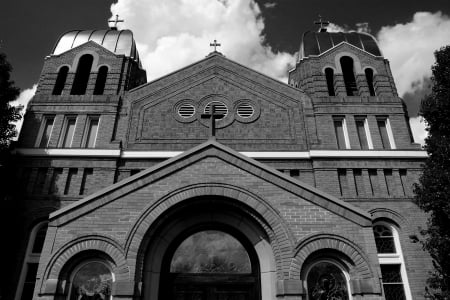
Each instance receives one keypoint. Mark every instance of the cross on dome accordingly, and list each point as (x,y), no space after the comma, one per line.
(115,21)
(323,24)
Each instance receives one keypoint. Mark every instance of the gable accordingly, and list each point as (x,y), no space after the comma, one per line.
(211,163)
(275,124)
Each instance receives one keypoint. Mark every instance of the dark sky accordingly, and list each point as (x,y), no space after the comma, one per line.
(29,29)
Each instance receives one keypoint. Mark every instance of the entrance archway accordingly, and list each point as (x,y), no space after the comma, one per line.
(210,264)
(217,219)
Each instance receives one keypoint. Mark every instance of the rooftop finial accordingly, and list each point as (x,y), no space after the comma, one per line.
(114,26)
(215,45)
(323,24)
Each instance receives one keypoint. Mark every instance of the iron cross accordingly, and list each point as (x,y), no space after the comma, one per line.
(115,22)
(323,24)
(212,116)
(215,45)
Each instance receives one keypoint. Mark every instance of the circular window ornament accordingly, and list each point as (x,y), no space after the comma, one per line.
(245,110)
(219,108)
(186,110)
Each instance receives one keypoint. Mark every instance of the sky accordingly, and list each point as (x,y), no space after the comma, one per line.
(261,34)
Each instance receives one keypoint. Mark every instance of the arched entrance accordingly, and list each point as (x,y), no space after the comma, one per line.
(210,263)
(208,248)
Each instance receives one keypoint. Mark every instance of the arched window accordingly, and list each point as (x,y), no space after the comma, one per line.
(81,79)
(101,80)
(210,262)
(326,280)
(28,274)
(349,75)
(329,75)
(91,280)
(60,80)
(369,78)
(393,271)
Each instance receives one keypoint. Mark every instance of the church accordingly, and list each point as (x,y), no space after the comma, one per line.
(217,182)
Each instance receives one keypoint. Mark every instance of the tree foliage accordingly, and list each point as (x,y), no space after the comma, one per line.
(433,190)
(8,113)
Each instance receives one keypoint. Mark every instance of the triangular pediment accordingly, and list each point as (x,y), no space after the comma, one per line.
(223,158)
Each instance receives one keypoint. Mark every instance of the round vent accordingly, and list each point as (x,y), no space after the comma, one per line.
(219,107)
(245,110)
(186,110)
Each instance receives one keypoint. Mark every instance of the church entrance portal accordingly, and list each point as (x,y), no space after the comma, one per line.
(210,265)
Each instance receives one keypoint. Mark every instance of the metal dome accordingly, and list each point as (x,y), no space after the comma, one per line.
(316,43)
(120,42)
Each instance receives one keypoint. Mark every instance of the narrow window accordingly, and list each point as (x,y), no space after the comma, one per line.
(393,271)
(340,130)
(373,181)
(403,180)
(69,129)
(369,78)
(70,179)
(46,132)
(389,181)
(101,80)
(359,183)
(349,75)
(342,176)
(60,80)
(384,128)
(57,172)
(362,128)
(329,74)
(81,79)
(87,174)
(92,130)
(40,180)
(27,280)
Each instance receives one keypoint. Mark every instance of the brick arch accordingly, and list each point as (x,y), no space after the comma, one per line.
(100,243)
(396,217)
(324,241)
(274,225)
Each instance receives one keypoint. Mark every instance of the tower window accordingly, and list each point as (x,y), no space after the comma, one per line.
(340,130)
(369,78)
(384,128)
(363,132)
(82,75)
(60,80)
(329,75)
(69,129)
(349,75)
(92,130)
(46,131)
(101,80)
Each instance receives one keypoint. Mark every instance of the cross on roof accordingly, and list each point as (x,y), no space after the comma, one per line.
(323,24)
(114,27)
(213,115)
(215,45)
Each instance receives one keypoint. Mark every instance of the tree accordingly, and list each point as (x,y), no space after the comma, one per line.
(8,113)
(433,190)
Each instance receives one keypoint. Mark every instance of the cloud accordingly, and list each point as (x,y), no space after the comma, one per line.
(23,99)
(173,34)
(418,129)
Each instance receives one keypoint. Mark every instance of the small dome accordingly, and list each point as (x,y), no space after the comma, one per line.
(120,42)
(316,43)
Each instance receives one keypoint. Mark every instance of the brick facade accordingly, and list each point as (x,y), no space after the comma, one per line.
(292,192)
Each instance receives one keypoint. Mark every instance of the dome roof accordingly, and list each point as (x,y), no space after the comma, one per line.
(120,42)
(316,43)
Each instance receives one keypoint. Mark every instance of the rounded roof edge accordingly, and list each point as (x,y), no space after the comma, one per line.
(315,43)
(120,42)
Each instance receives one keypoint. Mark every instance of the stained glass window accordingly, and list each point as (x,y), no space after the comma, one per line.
(384,239)
(210,251)
(326,281)
(92,282)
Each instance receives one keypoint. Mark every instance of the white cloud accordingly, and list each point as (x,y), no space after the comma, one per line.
(173,34)
(23,99)
(418,129)
(410,47)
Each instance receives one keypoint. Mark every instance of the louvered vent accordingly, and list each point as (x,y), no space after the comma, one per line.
(220,108)
(186,110)
(245,110)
